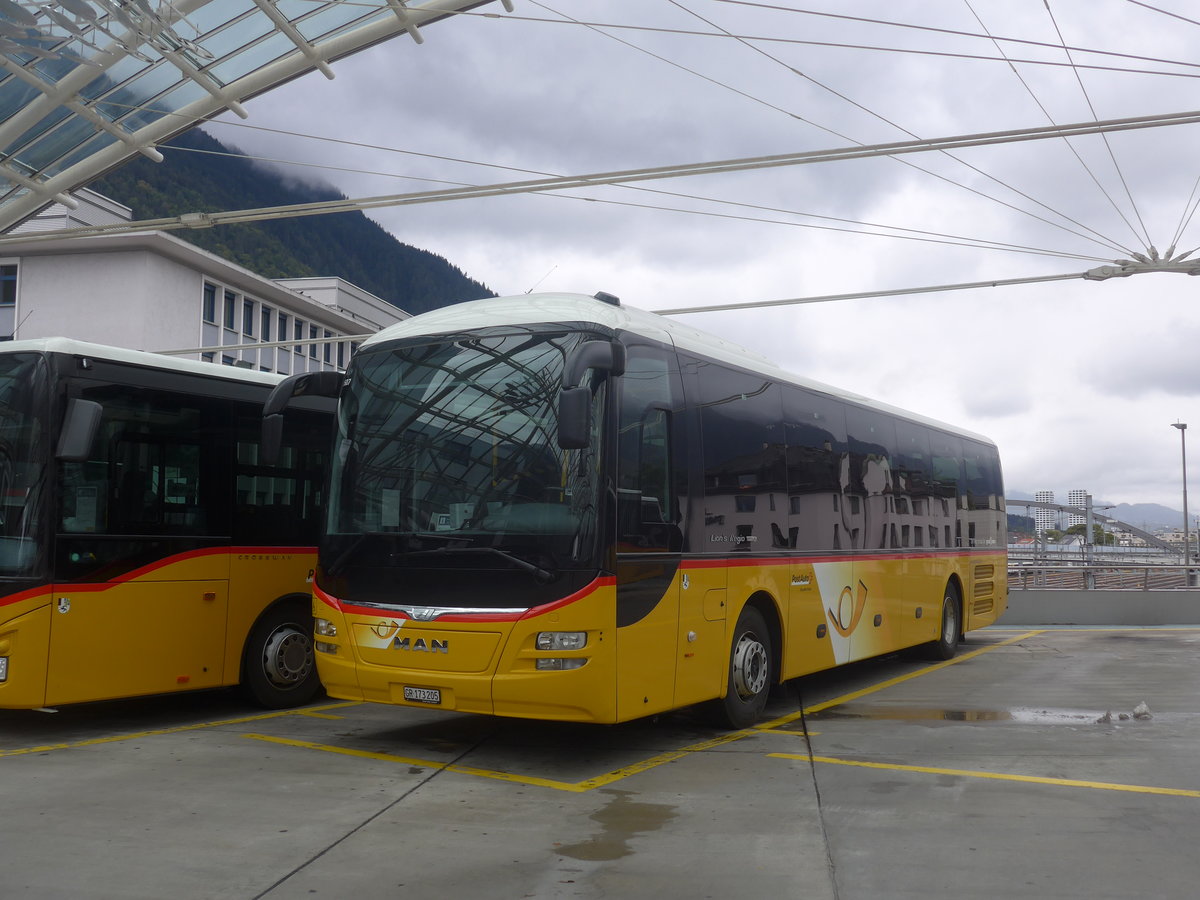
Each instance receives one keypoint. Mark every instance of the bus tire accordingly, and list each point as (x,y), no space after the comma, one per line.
(946,644)
(750,673)
(278,668)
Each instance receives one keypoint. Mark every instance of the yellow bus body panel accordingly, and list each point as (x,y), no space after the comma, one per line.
(827,613)
(24,637)
(257,578)
(479,664)
(175,625)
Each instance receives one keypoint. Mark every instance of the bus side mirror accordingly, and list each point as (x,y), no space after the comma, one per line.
(305,384)
(574,402)
(79,430)
(574,418)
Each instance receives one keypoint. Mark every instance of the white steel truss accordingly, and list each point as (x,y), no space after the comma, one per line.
(86,84)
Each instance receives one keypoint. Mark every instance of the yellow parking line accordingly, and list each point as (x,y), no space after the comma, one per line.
(999,776)
(670,756)
(892,682)
(415,761)
(587,784)
(117,738)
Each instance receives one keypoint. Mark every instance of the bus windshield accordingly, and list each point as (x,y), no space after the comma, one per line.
(447,458)
(23,461)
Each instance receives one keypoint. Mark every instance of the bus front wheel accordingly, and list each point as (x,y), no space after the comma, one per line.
(749,673)
(278,669)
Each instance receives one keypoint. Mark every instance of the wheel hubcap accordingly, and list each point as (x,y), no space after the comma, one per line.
(950,623)
(287,659)
(749,666)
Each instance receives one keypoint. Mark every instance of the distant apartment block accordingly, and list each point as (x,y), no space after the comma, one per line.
(152,291)
(1078,498)
(1044,519)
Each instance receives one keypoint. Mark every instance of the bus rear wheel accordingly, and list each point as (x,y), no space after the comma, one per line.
(946,644)
(278,668)
(750,674)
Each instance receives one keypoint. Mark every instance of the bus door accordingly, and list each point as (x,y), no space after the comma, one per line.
(649,538)
(141,592)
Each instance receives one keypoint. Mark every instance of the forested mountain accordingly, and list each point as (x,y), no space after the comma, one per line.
(348,245)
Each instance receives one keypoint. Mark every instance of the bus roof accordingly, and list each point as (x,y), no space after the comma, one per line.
(530,309)
(72,347)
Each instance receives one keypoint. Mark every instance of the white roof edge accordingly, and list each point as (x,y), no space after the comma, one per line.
(206,262)
(72,347)
(529,309)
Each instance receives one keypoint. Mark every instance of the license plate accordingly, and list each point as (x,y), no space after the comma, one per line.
(3,668)
(423,695)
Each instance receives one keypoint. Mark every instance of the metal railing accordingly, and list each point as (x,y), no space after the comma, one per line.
(1032,575)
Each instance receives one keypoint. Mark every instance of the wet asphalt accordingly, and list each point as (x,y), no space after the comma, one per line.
(1056,762)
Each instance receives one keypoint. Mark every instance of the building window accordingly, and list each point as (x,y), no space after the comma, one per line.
(210,303)
(313,331)
(341,354)
(283,326)
(230,308)
(267,315)
(328,347)
(8,300)
(298,334)
(248,318)
(207,357)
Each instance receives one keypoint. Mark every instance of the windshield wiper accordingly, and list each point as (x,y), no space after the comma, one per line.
(543,575)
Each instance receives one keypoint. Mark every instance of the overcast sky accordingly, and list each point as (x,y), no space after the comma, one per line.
(1077,381)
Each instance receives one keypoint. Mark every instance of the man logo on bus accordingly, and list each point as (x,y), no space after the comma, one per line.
(420,645)
(849,610)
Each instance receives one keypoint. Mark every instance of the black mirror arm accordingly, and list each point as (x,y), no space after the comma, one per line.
(603,356)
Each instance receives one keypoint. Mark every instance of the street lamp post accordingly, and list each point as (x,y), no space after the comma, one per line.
(1187,576)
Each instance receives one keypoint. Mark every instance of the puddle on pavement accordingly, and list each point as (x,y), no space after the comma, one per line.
(1023,715)
(620,820)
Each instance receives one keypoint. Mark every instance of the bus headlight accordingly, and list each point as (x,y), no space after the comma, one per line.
(324,628)
(560,664)
(561,640)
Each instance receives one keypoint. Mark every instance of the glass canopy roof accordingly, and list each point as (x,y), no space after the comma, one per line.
(87,84)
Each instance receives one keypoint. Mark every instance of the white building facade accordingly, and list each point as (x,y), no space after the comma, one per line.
(153,291)
(1045,519)
(1077,498)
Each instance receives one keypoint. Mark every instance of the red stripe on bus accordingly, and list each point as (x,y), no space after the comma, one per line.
(346,607)
(90,587)
(740,561)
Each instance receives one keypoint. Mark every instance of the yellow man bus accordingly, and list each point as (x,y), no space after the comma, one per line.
(558,507)
(144,547)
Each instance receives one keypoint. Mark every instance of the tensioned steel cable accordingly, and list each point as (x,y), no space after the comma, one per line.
(958,33)
(1049,118)
(716,167)
(845,46)
(867,295)
(1173,15)
(1185,218)
(1189,208)
(906,233)
(1095,236)
(909,233)
(1107,144)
